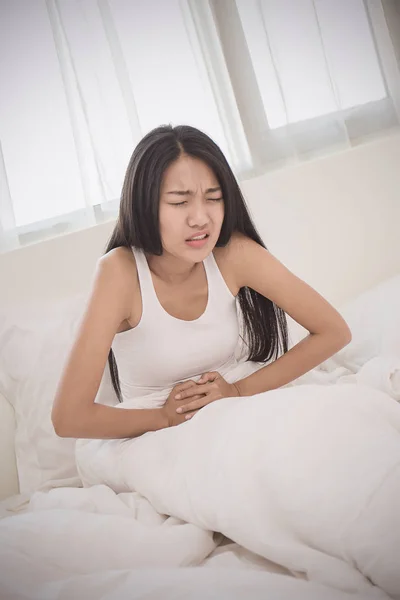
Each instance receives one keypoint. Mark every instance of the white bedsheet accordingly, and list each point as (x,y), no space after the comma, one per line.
(87,544)
(321,504)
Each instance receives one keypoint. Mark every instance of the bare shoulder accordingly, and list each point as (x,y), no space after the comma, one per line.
(116,281)
(118,260)
(233,258)
(237,244)
(118,267)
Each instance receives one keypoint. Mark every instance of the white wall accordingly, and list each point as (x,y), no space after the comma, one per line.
(334,221)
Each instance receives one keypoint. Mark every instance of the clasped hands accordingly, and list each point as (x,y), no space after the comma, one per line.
(187,398)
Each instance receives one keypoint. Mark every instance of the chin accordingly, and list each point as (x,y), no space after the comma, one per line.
(193,255)
(199,254)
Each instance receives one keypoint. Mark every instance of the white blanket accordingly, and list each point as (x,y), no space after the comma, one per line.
(306,476)
(381,373)
(92,544)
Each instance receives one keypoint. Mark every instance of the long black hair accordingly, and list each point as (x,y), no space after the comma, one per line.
(265,325)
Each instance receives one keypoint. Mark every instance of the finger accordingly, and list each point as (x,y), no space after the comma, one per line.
(184,385)
(204,378)
(194,405)
(190,415)
(197,397)
(192,391)
(209,376)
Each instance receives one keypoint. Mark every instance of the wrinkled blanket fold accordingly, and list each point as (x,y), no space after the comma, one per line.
(306,476)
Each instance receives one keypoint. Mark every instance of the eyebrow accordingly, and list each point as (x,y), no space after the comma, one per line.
(190,193)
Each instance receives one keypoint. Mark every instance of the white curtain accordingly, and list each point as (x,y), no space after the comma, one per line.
(83,80)
(320,75)
(272,81)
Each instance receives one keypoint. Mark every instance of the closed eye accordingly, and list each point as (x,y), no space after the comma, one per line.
(185,201)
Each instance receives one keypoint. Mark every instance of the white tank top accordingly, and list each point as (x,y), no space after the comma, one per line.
(163,350)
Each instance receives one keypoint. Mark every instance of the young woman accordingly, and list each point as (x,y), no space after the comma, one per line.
(183,256)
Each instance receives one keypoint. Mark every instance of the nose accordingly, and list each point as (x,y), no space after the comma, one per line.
(197,216)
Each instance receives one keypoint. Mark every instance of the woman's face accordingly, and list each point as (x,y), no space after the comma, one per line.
(191,206)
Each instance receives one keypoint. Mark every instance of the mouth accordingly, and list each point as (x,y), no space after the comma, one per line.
(198,241)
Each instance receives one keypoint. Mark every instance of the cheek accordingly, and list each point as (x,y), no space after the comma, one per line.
(170,223)
(219,214)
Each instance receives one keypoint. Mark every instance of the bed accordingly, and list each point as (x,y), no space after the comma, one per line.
(69,532)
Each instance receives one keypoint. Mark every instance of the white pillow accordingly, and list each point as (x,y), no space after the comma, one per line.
(33,351)
(374,320)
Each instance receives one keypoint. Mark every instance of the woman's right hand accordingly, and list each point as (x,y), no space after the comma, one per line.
(169,409)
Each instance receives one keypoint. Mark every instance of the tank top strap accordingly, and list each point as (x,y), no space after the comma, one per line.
(217,286)
(147,291)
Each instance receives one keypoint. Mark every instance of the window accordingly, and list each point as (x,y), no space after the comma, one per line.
(83,81)
(320,74)
(272,81)
(311,58)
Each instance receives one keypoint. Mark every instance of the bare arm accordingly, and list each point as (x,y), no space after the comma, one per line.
(75,414)
(328,332)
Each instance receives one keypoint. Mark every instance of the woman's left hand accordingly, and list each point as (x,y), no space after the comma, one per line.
(212,386)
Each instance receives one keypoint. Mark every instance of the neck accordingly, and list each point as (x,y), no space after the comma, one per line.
(169,268)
